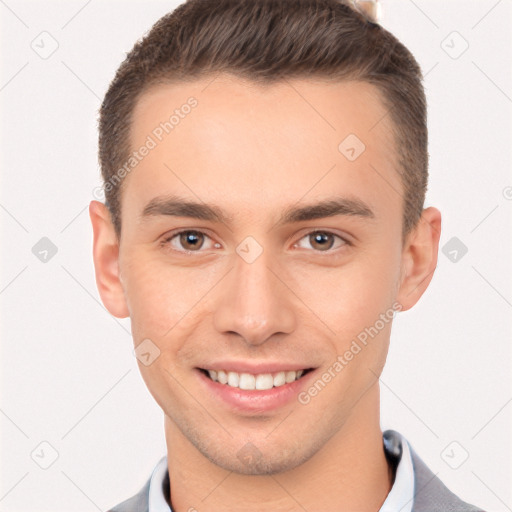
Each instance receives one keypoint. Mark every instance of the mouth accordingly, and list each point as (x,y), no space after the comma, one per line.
(255,382)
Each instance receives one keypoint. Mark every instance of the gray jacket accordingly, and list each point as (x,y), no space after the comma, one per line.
(430,494)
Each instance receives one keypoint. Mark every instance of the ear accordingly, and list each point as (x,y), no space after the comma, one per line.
(419,258)
(106,260)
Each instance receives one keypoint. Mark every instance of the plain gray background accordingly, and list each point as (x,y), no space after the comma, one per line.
(68,376)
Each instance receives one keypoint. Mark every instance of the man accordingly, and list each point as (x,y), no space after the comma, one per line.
(265,166)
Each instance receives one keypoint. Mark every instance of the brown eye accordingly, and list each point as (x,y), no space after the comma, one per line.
(191,240)
(321,240)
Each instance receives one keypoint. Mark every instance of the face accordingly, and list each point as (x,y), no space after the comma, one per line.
(291,251)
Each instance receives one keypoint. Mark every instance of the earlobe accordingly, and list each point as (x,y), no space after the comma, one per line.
(419,258)
(106,261)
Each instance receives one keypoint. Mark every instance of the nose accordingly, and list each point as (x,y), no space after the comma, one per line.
(254,302)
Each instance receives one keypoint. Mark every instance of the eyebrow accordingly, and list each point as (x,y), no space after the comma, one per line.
(180,207)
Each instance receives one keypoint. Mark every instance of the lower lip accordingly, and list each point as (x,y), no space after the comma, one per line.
(255,400)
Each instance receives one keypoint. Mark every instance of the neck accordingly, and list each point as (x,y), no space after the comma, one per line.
(349,473)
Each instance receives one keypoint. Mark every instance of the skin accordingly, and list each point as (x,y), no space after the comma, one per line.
(254,151)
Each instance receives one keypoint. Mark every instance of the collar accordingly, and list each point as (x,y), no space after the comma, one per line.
(400,497)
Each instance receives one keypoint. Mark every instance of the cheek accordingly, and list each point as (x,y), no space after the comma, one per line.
(165,301)
(347,298)
(161,303)
(154,295)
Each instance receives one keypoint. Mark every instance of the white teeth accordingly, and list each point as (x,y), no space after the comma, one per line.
(233,379)
(248,381)
(290,376)
(264,381)
(279,379)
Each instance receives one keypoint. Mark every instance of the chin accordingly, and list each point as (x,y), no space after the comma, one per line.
(249,460)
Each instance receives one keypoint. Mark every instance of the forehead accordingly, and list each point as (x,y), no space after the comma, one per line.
(243,142)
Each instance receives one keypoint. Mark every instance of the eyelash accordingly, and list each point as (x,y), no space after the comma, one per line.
(166,241)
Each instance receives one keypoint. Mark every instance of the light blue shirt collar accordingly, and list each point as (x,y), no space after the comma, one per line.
(399,499)
(401,495)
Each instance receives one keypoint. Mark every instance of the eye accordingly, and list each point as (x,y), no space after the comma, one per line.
(189,241)
(323,241)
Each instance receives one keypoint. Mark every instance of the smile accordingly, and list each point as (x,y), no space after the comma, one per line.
(260,381)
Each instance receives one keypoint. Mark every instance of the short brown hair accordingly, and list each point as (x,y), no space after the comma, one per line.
(268,41)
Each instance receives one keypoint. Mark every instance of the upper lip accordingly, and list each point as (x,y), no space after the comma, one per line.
(255,368)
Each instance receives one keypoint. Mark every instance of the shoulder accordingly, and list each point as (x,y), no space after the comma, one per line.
(137,503)
(430,494)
